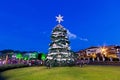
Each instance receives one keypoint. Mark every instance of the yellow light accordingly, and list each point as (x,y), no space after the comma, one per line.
(103,49)
(104,53)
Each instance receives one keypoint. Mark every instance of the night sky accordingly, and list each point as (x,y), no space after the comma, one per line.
(27,24)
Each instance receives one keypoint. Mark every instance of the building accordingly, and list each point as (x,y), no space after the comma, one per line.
(101,53)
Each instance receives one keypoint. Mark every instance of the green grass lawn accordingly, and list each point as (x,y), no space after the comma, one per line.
(64,73)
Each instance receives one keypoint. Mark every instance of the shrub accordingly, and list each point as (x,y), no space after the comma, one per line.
(12,66)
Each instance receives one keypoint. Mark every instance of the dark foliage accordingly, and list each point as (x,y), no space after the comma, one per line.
(12,66)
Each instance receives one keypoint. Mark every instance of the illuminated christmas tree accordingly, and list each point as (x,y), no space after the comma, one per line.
(59,51)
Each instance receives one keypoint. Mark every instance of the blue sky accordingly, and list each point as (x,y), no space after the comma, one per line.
(27,24)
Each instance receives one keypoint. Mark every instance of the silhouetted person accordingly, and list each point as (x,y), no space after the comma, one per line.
(81,63)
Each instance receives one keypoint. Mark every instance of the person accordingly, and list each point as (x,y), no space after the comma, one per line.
(48,64)
(81,63)
(29,63)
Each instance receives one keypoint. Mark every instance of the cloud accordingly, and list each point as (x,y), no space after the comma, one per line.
(71,35)
(83,39)
(74,36)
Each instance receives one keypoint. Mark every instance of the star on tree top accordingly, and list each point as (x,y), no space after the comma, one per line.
(59,18)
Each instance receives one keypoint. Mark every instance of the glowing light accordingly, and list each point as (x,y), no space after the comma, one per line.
(103,49)
(19,56)
(43,57)
(33,55)
(59,18)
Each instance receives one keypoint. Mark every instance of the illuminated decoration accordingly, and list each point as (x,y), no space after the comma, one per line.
(59,18)
(109,52)
(13,56)
(43,57)
(26,57)
(59,51)
(94,55)
(19,56)
(33,55)
(104,51)
(112,56)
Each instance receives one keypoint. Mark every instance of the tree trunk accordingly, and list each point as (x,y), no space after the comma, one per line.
(93,59)
(111,59)
(6,60)
(103,59)
(98,59)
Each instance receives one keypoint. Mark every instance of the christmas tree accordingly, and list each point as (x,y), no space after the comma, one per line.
(59,51)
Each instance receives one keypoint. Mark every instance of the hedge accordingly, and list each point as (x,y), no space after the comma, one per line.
(12,66)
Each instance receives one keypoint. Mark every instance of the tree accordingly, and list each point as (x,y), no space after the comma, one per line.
(19,56)
(59,51)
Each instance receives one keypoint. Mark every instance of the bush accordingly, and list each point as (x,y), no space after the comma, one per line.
(55,63)
(12,66)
